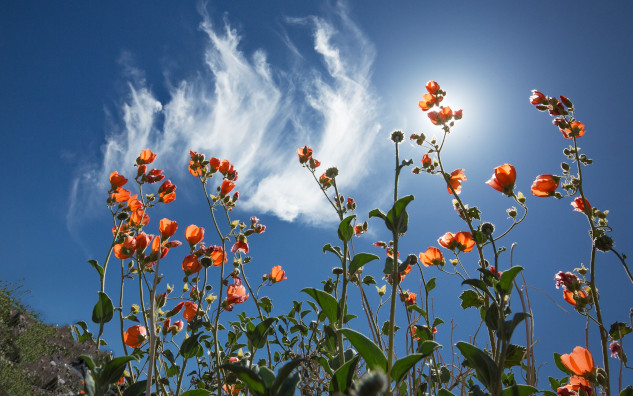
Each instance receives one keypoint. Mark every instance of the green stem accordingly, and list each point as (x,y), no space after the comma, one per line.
(395,279)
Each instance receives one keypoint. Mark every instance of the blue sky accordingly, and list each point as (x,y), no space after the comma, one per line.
(86,86)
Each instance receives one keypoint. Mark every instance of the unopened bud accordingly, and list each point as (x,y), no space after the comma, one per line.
(512,212)
(487,229)
(331,172)
(135,308)
(337,271)
(123,216)
(397,136)
(185,287)
(206,261)
(604,243)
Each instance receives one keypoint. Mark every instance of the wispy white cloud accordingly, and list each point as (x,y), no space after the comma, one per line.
(241,107)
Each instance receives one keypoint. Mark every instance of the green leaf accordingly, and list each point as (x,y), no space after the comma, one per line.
(628,391)
(267,376)
(430,285)
(470,298)
(190,346)
(336,250)
(444,392)
(89,362)
(484,366)
(480,237)
(437,321)
(510,325)
(505,281)
(103,310)
(96,266)
(385,328)
(519,390)
(361,259)
(266,304)
(369,280)
(342,378)
(289,386)
(479,284)
(427,347)
(136,389)
(326,366)
(345,229)
(326,301)
(258,336)
(514,355)
(283,375)
(197,392)
(492,316)
(619,330)
(113,370)
(423,333)
(402,366)
(377,213)
(248,376)
(398,216)
(560,365)
(373,355)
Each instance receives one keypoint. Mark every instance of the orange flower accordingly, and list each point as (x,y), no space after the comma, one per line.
(305,153)
(190,310)
(167,192)
(195,169)
(240,246)
(121,195)
(214,162)
(146,157)
(427,101)
(432,87)
(167,227)
(117,180)
(446,113)
(426,161)
(134,336)
(462,241)
(434,116)
(580,206)
(569,296)
(134,203)
(575,383)
(126,249)
(503,179)
(217,254)
(194,234)
(225,167)
(545,185)
(142,241)
(576,129)
(538,98)
(231,389)
(455,181)
(277,274)
(432,256)
(227,187)
(579,362)
(408,297)
(191,265)
(139,217)
(235,294)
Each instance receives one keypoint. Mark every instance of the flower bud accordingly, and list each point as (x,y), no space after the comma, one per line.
(211,298)
(206,261)
(337,271)
(604,243)
(521,197)
(331,172)
(512,212)
(564,166)
(123,216)
(397,136)
(487,229)
(135,308)
(185,287)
